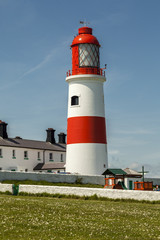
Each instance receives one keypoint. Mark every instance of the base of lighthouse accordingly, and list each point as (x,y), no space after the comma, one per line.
(89,159)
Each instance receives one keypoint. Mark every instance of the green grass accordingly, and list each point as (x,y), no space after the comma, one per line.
(30,182)
(34,218)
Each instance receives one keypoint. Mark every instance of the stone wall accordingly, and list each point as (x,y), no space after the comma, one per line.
(50,177)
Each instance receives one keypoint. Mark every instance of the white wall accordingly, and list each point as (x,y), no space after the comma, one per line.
(100,192)
(5,187)
(109,193)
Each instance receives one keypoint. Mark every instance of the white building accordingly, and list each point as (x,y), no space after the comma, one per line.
(17,154)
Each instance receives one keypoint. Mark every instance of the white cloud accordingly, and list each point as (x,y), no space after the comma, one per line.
(10,84)
(41,64)
(135,166)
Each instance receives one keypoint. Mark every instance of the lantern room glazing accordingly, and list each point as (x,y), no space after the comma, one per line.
(85,53)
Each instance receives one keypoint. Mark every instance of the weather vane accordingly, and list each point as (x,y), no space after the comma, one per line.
(84,23)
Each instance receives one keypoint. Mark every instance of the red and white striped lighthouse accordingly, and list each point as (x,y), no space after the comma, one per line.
(86,129)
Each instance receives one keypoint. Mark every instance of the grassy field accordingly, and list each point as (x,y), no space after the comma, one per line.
(40,218)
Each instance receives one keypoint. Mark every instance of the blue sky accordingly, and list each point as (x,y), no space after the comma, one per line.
(35,38)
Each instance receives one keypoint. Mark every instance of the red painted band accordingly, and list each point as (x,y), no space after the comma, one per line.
(86,130)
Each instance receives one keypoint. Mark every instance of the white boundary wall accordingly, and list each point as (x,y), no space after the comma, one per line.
(109,193)
(5,187)
(79,191)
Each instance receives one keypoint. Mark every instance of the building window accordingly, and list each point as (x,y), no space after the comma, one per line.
(50,156)
(1,153)
(26,155)
(61,157)
(74,100)
(38,156)
(13,154)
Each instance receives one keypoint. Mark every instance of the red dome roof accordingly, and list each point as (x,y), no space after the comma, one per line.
(85,30)
(85,36)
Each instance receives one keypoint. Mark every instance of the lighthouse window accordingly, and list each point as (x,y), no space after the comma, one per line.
(74,100)
(88,55)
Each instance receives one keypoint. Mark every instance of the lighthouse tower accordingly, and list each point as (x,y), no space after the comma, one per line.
(86,130)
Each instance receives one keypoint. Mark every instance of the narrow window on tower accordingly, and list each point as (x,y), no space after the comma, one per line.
(74,100)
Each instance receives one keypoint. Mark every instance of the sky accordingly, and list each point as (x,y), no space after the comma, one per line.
(35,39)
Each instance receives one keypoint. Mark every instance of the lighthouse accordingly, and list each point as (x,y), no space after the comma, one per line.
(86,127)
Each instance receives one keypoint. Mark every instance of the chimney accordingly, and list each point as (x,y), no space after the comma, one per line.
(62,138)
(18,137)
(3,129)
(50,135)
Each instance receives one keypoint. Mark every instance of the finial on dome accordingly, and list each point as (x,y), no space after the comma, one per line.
(84,23)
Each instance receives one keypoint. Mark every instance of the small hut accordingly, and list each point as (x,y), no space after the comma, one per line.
(114,178)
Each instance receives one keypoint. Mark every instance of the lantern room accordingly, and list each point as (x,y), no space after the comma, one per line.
(85,53)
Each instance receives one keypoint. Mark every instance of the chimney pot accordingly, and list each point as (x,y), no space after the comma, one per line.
(62,138)
(18,137)
(50,135)
(3,129)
